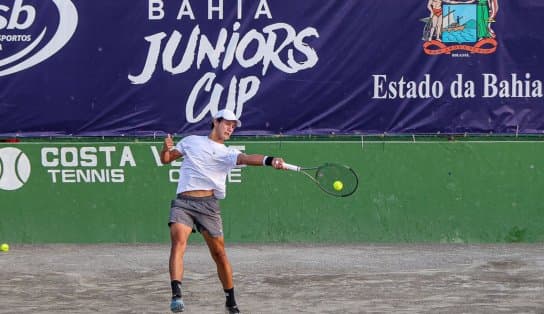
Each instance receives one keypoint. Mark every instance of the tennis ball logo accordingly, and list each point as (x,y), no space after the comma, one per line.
(14,168)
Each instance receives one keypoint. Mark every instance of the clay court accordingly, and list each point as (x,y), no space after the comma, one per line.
(430,278)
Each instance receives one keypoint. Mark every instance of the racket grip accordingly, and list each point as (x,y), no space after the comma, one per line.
(291,167)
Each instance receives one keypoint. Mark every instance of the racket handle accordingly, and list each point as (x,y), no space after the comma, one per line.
(291,167)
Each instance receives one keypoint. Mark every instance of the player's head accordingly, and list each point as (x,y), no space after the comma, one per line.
(224,123)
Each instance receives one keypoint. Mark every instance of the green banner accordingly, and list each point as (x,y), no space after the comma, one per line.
(434,191)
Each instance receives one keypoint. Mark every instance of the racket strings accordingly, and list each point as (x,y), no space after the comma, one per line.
(337,179)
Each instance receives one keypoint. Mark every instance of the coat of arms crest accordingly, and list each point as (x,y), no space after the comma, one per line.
(460,25)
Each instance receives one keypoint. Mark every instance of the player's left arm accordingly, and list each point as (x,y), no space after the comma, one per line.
(259,160)
(169,152)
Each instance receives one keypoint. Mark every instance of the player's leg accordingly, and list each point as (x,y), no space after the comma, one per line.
(217,250)
(179,234)
(216,244)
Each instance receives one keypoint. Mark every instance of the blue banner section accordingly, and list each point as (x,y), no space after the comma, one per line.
(126,67)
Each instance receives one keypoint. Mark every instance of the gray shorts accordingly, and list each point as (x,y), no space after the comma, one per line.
(200,212)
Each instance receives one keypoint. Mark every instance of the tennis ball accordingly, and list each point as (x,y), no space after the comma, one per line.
(338,185)
(4,247)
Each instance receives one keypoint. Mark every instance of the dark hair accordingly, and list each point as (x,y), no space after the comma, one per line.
(218,120)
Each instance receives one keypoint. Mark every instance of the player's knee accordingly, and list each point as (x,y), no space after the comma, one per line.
(179,244)
(220,256)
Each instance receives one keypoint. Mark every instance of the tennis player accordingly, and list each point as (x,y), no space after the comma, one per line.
(203,173)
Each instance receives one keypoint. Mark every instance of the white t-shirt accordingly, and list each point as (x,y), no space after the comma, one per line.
(205,165)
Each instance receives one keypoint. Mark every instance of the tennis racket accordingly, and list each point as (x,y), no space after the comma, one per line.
(334,179)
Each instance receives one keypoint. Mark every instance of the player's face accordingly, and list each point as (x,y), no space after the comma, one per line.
(225,128)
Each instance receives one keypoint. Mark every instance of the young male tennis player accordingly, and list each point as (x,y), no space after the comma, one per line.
(203,172)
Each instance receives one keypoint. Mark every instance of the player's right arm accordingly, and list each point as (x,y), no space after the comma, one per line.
(169,152)
(259,160)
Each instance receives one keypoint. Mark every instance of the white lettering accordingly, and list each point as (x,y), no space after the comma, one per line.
(305,49)
(246,89)
(275,57)
(490,88)
(537,89)
(68,176)
(107,150)
(46,162)
(155,10)
(3,20)
(151,60)
(213,54)
(87,175)
(156,156)
(185,9)
(263,9)
(117,176)
(69,157)
(126,156)
(244,43)
(18,10)
(231,47)
(88,157)
(460,89)
(53,173)
(188,56)
(266,52)
(218,9)
(515,87)
(379,81)
(239,10)
(173,175)
(406,89)
(206,81)
(215,9)
(235,175)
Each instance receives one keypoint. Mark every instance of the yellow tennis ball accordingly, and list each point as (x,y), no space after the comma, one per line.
(4,247)
(338,185)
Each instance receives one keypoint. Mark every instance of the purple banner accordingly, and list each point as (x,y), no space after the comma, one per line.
(144,67)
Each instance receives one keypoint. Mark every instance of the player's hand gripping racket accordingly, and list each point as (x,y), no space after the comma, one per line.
(334,179)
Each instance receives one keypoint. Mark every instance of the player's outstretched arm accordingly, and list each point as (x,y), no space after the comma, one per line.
(260,160)
(169,152)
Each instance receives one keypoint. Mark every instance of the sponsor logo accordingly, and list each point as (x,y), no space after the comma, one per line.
(23,41)
(460,28)
(87,164)
(14,168)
